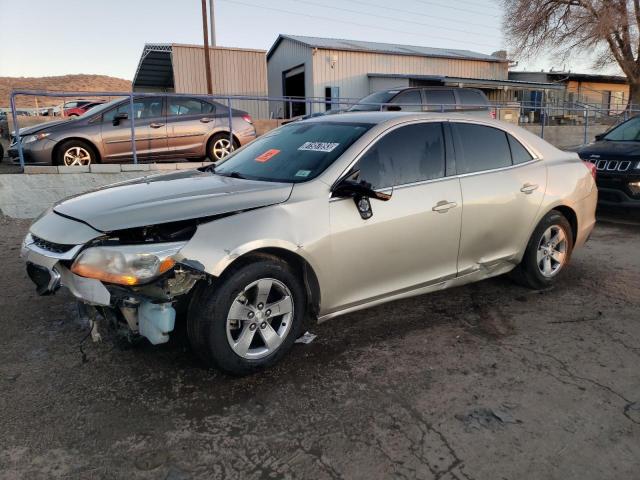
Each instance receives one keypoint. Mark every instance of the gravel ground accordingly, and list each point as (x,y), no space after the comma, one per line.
(488,381)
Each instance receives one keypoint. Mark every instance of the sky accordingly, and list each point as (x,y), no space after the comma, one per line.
(59,37)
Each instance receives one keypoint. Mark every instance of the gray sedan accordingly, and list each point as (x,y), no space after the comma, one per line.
(314,220)
(166,128)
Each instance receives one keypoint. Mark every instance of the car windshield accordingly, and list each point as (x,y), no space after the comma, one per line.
(374,98)
(294,153)
(101,108)
(626,132)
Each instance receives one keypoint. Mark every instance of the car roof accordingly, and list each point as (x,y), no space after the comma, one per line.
(390,117)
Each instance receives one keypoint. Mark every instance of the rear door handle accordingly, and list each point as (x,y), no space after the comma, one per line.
(529,188)
(156,125)
(206,120)
(443,206)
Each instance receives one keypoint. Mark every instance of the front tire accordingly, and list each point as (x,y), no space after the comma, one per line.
(250,318)
(74,153)
(548,253)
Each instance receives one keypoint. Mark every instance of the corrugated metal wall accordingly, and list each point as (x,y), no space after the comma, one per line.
(234,72)
(288,55)
(350,69)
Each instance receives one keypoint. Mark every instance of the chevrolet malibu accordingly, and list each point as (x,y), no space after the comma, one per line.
(312,221)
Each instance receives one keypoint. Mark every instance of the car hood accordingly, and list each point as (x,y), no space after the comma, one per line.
(42,126)
(610,150)
(168,198)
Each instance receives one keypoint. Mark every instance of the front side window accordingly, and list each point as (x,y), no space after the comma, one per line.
(410,154)
(371,103)
(188,106)
(480,148)
(294,153)
(142,108)
(626,132)
(410,101)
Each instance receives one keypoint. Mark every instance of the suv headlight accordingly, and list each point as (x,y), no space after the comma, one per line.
(33,138)
(127,265)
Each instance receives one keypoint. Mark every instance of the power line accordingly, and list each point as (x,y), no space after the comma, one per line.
(421,14)
(395,19)
(466,10)
(346,22)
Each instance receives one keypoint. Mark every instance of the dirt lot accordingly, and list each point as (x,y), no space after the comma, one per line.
(489,381)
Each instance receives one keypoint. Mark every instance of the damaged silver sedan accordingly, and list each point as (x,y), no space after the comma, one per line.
(314,220)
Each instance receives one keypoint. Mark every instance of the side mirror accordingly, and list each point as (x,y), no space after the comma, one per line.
(600,136)
(361,192)
(393,108)
(120,116)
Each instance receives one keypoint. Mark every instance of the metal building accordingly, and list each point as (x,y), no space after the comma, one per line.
(180,69)
(329,68)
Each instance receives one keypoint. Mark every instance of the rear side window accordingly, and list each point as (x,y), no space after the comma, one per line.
(472,100)
(410,101)
(410,154)
(480,148)
(188,106)
(519,154)
(440,100)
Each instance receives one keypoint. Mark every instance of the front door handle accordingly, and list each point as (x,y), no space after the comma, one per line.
(206,120)
(529,188)
(156,125)
(443,206)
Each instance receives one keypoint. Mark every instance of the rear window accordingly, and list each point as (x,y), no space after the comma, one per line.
(374,98)
(440,100)
(472,100)
(294,153)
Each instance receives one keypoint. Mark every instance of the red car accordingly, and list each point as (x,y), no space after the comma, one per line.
(78,107)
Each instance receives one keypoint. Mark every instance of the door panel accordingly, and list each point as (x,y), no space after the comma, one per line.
(189,122)
(501,201)
(150,130)
(404,245)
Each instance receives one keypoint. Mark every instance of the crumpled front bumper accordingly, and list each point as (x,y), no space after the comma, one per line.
(49,271)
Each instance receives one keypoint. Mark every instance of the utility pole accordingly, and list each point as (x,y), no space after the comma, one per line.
(212,22)
(205,32)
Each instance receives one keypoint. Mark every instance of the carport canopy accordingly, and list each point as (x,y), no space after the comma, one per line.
(442,80)
(155,69)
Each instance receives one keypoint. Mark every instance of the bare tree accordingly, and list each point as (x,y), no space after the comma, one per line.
(608,29)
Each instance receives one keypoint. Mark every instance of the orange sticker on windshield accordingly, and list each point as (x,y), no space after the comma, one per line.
(267,155)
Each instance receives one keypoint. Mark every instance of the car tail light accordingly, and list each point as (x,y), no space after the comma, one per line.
(592,168)
(247,118)
(492,114)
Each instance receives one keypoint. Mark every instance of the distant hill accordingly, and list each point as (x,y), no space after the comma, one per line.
(69,83)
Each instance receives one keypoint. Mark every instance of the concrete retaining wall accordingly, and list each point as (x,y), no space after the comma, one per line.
(26,196)
(563,136)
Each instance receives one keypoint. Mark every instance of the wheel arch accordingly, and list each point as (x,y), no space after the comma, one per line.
(300,265)
(222,131)
(571,215)
(59,143)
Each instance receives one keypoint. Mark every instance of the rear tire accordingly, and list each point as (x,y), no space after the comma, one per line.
(75,153)
(250,318)
(548,253)
(219,146)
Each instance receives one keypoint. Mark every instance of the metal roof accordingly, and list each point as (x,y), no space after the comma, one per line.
(388,48)
(155,68)
(477,82)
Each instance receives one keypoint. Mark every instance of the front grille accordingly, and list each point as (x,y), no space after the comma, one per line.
(611,165)
(50,246)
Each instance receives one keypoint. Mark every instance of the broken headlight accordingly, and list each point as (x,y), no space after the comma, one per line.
(127,265)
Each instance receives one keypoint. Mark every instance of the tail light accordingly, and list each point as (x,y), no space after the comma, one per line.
(247,118)
(592,168)
(492,114)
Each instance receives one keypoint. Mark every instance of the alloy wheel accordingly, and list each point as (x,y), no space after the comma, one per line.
(260,318)
(221,148)
(552,251)
(76,156)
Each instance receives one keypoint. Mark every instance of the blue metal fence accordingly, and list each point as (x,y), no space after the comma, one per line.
(543,112)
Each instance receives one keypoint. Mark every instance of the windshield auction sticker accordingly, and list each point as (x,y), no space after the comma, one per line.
(267,155)
(318,147)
